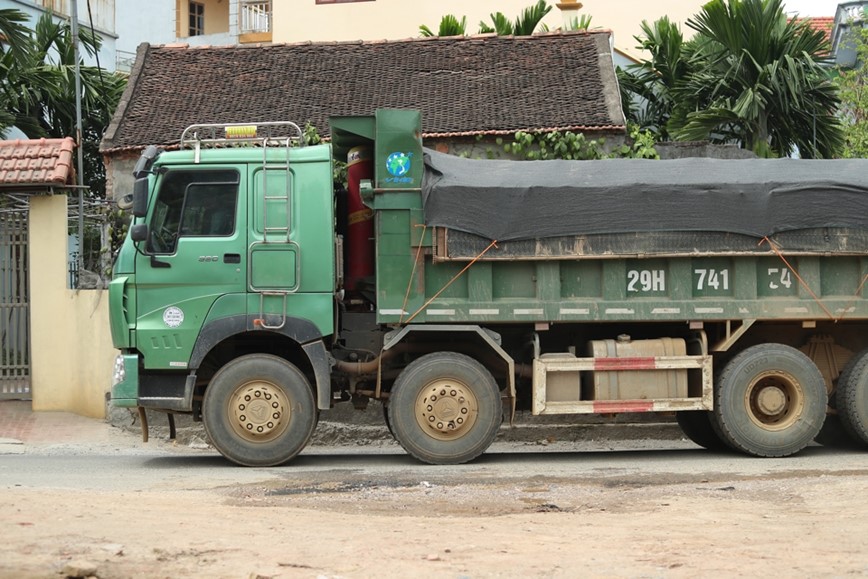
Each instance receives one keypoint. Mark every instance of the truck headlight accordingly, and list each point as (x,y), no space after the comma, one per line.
(120,372)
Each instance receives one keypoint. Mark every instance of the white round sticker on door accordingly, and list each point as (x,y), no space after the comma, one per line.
(173,317)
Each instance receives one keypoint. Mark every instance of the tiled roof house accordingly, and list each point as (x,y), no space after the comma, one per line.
(822,24)
(464,86)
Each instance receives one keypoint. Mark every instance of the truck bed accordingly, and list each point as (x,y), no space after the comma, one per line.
(508,200)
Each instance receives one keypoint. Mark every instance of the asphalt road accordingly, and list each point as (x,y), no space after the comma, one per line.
(129,464)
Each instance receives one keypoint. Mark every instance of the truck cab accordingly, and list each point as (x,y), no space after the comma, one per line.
(233,233)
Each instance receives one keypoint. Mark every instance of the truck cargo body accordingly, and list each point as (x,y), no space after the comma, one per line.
(495,287)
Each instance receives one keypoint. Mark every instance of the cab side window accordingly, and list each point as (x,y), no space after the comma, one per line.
(193,203)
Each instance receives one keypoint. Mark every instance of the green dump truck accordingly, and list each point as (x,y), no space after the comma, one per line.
(253,296)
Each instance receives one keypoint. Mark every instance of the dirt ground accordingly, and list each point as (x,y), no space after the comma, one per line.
(506,517)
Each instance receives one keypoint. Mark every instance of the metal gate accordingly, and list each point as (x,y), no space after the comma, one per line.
(14,302)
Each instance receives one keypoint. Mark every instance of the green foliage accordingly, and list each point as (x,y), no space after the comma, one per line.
(750,76)
(853,86)
(575,146)
(118,222)
(553,145)
(310,136)
(449,26)
(16,34)
(640,145)
(502,25)
(654,81)
(525,24)
(530,17)
(582,22)
(37,88)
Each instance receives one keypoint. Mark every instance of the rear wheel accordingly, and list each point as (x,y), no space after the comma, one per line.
(770,400)
(852,398)
(696,426)
(445,408)
(833,434)
(386,419)
(259,410)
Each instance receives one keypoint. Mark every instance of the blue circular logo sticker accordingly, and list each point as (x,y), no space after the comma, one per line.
(398,164)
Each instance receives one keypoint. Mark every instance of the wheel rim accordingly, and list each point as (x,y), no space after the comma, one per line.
(774,400)
(446,409)
(259,411)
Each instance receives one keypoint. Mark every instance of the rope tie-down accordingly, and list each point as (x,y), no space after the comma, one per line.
(777,250)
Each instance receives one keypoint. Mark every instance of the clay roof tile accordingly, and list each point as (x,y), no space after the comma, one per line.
(463,85)
(36,162)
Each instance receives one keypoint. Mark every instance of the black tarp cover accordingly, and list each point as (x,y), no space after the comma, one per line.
(510,200)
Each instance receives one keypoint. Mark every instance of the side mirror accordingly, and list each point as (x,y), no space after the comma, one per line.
(143,165)
(139,202)
(139,232)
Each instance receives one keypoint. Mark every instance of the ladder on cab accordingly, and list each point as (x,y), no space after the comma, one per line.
(278,135)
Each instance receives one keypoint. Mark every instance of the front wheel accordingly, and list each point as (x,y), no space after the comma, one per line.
(259,410)
(770,400)
(445,408)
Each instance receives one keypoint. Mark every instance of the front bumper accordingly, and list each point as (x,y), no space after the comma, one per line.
(125,381)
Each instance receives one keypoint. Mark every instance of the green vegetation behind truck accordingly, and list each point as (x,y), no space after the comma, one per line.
(229,300)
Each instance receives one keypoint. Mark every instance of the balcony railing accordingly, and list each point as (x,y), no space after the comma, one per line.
(255,16)
(124,60)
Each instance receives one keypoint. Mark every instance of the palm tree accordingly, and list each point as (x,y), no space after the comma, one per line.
(758,78)
(37,87)
(655,81)
(13,53)
(525,24)
(449,26)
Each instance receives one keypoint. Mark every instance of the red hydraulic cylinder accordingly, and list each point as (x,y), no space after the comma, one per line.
(360,224)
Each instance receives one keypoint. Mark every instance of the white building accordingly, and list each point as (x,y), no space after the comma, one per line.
(100,17)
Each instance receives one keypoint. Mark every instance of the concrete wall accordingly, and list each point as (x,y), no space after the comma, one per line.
(135,22)
(71,350)
(119,173)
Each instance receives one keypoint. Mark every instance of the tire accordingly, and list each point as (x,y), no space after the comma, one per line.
(769,401)
(696,425)
(445,408)
(273,385)
(386,419)
(833,435)
(852,398)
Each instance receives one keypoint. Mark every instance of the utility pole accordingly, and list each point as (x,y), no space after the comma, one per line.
(78,135)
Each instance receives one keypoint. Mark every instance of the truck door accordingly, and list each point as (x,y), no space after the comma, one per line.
(195,255)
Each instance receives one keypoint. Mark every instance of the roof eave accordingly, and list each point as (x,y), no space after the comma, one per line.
(126,97)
